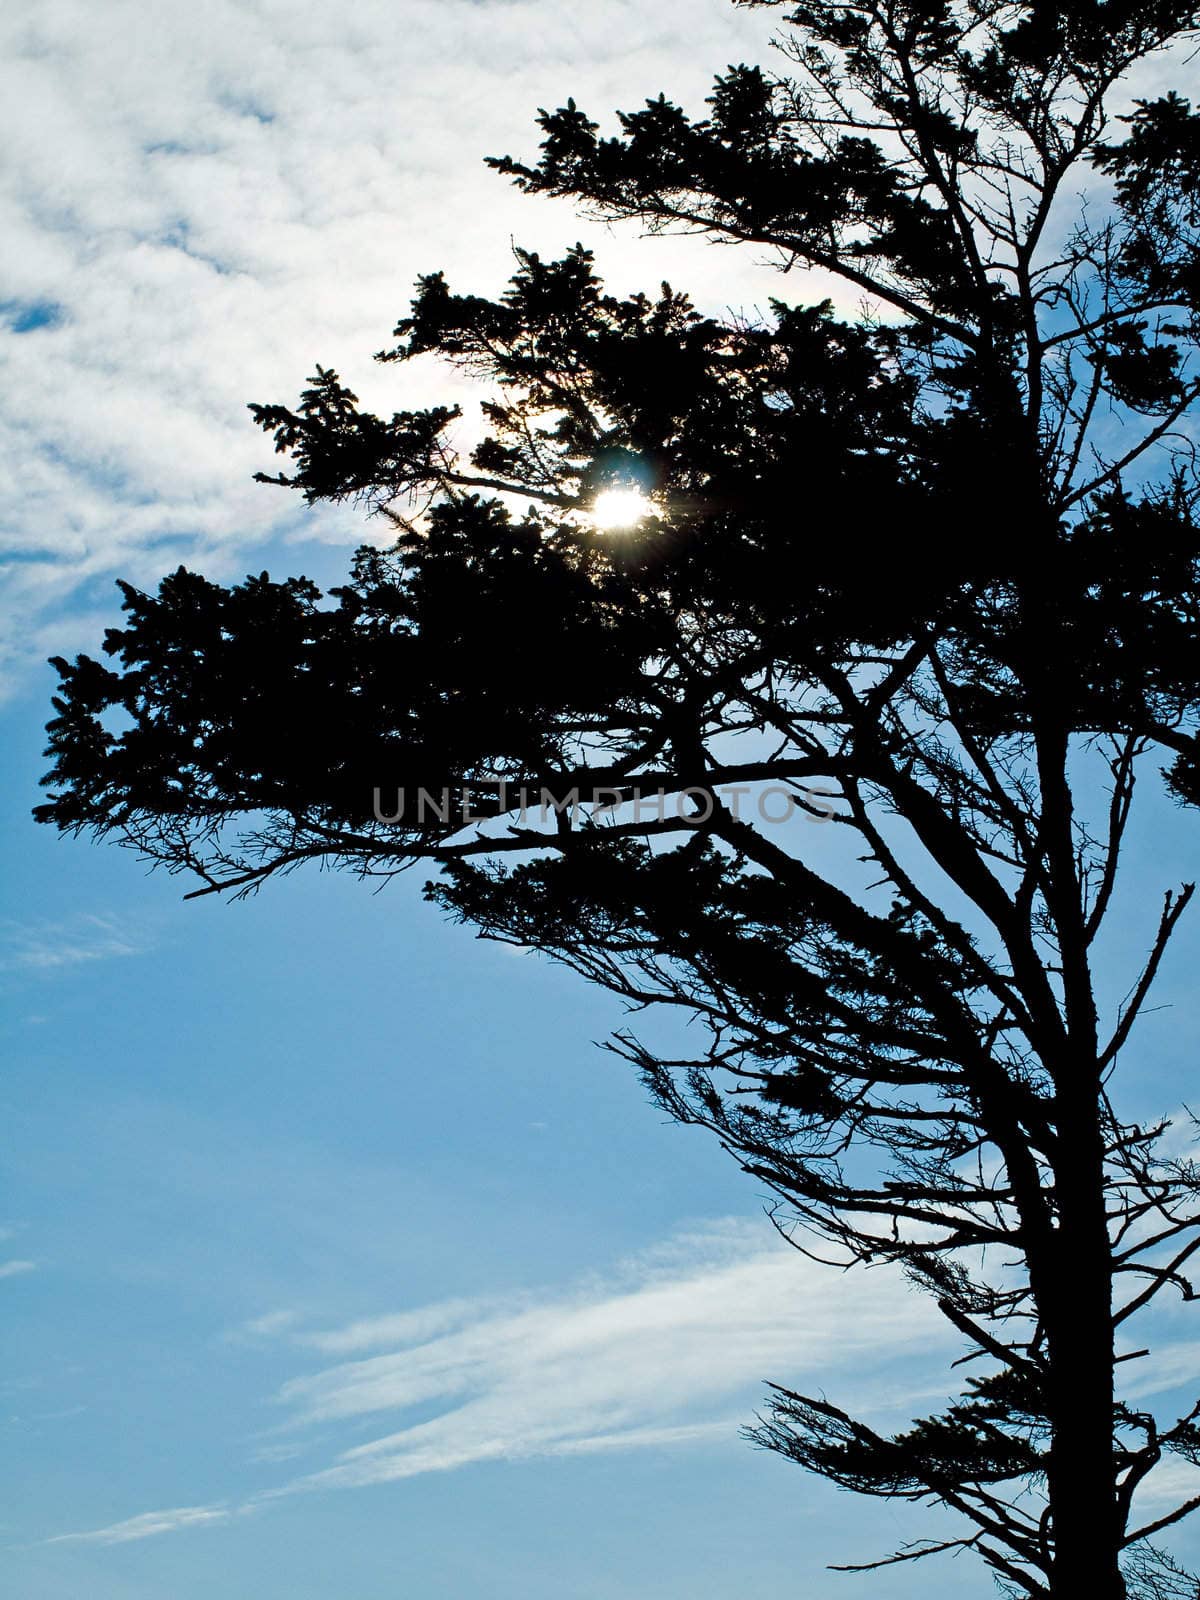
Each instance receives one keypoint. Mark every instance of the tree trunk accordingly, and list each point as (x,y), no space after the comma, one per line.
(1087,1527)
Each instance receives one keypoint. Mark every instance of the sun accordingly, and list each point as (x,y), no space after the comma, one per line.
(615,509)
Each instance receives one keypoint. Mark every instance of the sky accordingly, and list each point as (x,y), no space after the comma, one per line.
(338,1261)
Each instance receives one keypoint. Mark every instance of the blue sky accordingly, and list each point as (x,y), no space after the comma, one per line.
(336,1259)
(318,1171)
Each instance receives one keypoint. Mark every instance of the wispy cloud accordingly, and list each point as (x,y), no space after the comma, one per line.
(14,1269)
(47,946)
(667,1351)
(268,1326)
(1171,1365)
(1171,1483)
(147,1526)
(400,1328)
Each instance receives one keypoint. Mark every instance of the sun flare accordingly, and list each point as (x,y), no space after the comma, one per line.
(615,509)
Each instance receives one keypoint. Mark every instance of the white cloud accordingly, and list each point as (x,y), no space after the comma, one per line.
(15,1269)
(47,946)
(146,1526)
(1171,1483)
(268,1325)
(666,1352)
(1167,1366)
(277,1452)
(401,1328)
(642,1438)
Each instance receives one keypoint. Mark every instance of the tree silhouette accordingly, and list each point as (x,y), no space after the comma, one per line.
(929,572)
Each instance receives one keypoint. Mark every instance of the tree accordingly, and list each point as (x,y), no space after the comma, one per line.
(930,571)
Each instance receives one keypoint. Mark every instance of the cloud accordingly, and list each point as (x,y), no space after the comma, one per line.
(47,946)
(400,1328)
(671,1350)
(147,1526)
(1168,1366)
(668,1350)
(1171,1483)
(192,224)
(266,1326)
(277,1452)
(14,1269)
